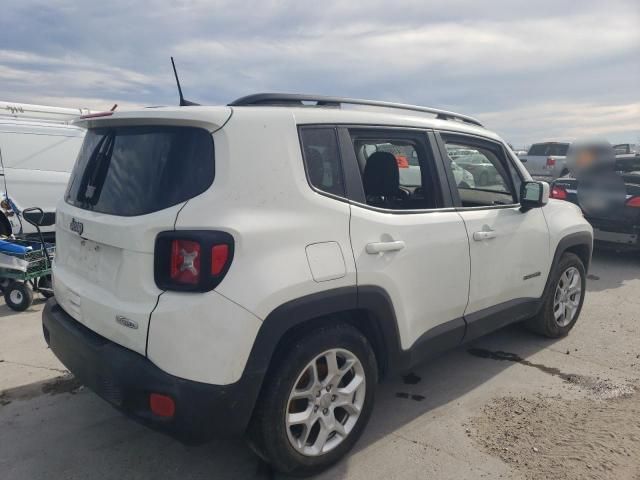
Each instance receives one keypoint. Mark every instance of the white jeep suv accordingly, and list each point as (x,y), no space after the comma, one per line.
(255,269)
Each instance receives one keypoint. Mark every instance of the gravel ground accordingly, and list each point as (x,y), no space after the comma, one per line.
(511,406)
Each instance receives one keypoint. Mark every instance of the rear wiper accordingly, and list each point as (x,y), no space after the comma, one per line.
(96,170)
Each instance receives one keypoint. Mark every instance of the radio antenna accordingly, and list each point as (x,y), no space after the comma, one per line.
(183,102)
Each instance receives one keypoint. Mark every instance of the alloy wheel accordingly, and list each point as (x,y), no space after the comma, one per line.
(325,402)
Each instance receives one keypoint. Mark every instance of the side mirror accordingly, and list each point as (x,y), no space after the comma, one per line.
(533,195)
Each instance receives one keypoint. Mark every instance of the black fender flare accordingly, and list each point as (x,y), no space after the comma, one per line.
(583,240)
(310,310)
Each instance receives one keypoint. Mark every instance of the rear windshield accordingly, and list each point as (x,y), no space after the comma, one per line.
(546,149)
(628,164)
(129,171)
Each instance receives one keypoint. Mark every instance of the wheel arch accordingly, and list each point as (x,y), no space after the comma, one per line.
(579,243)
(369,309)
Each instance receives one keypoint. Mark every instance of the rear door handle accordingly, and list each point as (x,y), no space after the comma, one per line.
(378,247)
(484,235)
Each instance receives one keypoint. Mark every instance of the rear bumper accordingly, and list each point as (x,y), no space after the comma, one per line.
(621,233)
(125,379)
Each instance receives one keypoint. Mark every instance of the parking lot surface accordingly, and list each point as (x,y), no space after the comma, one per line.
(510,405)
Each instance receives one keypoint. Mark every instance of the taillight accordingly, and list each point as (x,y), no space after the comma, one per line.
(219,257)
(558,192)
(551,162)
(192,260)
(633,202)
(185,261)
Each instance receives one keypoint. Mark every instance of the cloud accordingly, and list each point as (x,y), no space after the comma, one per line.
(546,63)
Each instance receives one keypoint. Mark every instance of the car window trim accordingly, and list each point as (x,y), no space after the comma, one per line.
(353,176)
(478,140)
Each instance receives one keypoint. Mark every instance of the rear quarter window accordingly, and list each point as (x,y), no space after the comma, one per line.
(129,171)
(542,149)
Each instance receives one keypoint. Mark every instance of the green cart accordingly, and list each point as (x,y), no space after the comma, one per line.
(25,267)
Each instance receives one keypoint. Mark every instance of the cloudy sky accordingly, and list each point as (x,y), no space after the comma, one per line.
(531,70)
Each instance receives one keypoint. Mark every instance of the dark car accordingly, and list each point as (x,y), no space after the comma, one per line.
(613,207)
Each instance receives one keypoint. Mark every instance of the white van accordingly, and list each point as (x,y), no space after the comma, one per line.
(38,147)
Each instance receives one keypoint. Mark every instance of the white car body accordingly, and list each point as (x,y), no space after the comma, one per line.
(295,246)
(39,146)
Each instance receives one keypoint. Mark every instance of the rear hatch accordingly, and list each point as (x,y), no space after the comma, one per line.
(129,183)
(542,157)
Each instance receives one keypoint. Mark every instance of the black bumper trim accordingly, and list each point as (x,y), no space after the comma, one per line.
(125,379)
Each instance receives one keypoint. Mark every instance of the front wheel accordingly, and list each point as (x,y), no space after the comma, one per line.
(563,299)
(18,296)
(316,402)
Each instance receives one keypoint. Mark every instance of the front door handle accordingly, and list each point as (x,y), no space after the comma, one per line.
(378,247)
(484,235)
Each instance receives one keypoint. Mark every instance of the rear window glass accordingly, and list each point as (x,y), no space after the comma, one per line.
(130,171)
(542,149)
(322,159)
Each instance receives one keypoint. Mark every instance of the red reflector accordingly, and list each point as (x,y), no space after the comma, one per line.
(633,202)
(402,161)
(162,405)
(96,115)
(551,162)
(558,192)
(219,256)
(185,261)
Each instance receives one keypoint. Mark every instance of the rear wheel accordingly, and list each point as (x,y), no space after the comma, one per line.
(45,286)
(563,299)
(18,296)
(317,401)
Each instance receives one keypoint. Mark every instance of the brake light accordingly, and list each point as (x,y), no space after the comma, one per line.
(634,202)
(219,256)
(185,261)
(96,115)
(551,162)
(559,192)
(192,260)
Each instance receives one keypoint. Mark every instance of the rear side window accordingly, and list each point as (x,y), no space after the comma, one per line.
(546,149)
(322,159)
(128,171)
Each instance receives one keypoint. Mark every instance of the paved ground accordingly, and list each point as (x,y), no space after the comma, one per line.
(456,418)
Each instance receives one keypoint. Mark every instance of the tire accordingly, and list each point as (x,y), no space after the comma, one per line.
(18,296)
(275,440)
(4,283)
(546,321)
(45,282)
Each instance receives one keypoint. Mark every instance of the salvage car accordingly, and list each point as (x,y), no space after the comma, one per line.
(255,269)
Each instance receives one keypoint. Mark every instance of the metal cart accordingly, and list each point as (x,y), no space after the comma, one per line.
(26,270)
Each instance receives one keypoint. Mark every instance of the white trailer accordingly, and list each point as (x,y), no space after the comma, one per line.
(38,147)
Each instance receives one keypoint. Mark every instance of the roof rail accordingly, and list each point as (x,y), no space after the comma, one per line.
(292,99)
